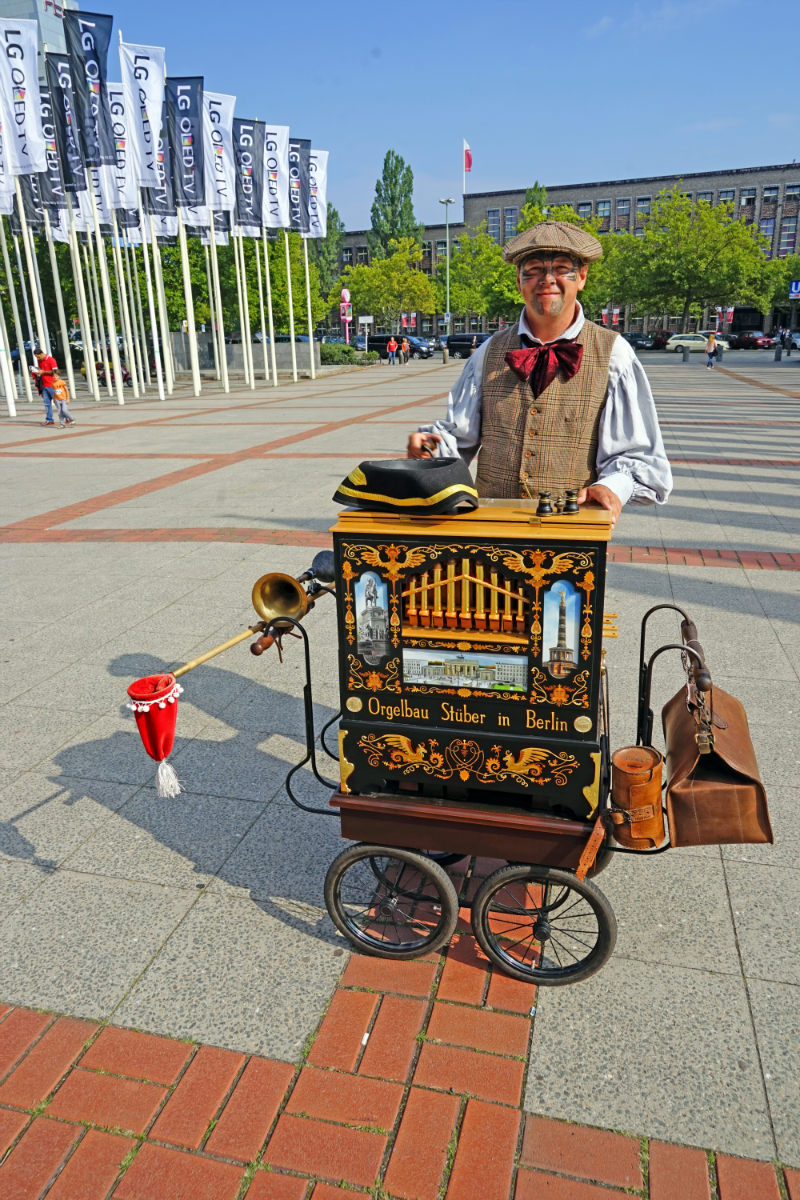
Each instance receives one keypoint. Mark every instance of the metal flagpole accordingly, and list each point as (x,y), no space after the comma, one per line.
(211,314)
(151,302)
(9,382)
(269,310)
(261,310)
(187,291)
(41,329)
(166,340)
(240,297)
(12,295)
(106,285)
(137,316)
(291,306)
(83,307)
(308,306)
(97,311)
(247,336)
(23,287)
(219,332)
(122,300)
(62,317)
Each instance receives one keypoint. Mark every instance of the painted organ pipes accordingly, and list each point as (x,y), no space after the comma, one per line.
(460,595)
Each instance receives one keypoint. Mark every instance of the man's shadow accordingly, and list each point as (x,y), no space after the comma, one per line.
(233,821)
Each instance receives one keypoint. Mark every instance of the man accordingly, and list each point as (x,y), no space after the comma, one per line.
(554,401)
(45,365)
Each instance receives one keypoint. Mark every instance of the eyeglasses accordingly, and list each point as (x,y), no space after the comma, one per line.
(536,271)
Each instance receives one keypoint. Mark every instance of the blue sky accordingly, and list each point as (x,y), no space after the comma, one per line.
(562,93)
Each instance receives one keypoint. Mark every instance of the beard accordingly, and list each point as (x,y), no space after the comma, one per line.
(548,306)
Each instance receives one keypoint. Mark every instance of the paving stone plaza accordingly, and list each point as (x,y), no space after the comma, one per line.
(178,1015)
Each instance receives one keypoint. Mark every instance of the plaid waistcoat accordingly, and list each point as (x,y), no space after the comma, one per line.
(545,443)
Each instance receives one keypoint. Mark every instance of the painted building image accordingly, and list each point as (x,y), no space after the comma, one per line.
(372,618)
(443,668)
(561,617)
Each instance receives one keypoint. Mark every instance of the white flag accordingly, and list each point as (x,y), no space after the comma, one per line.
(6,182)
(143,85)
(218,149)
(318,193)
(20,103)
(126,193)
(276,177)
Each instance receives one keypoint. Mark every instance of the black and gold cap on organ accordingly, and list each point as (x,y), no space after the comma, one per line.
(414,486)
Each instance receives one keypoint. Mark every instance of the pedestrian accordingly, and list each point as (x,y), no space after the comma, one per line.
(711,350)
(391,347)
(61,400)
(516,400)
(406,350)
(788,341)
(43,374)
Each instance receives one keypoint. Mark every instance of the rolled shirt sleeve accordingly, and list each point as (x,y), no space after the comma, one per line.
(631,459)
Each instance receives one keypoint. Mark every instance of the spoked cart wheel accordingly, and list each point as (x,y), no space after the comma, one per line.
(543,925)
(391,902)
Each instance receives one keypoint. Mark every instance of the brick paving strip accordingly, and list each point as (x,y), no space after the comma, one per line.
(411,1088)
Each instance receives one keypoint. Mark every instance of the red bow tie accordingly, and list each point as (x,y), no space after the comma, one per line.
(539,365)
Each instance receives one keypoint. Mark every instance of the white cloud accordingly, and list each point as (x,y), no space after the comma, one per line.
(599,28)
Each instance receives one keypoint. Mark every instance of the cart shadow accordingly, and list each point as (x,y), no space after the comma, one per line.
(234,824)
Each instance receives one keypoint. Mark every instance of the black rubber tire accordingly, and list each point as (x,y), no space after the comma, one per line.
(506,927)
(417,906)
(415,354)
(456,354)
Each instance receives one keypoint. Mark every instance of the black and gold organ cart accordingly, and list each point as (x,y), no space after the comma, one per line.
(474,761)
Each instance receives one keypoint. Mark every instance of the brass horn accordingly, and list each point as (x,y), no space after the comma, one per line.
(279,600)
(277,595)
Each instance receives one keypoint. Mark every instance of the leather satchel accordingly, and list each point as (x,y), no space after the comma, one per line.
(714,790)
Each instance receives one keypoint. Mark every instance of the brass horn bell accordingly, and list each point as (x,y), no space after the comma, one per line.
(276,596)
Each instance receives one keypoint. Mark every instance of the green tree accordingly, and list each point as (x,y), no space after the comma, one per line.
(781,273)
(475,260)
(393,207)
(692,254)
(325,252)
(392,285)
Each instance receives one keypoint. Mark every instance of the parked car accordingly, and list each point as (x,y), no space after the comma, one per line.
(796,339)
(752,339)
(661,337)
(420,346)
(359,342)
(461,345)
(695,341)
(639,341)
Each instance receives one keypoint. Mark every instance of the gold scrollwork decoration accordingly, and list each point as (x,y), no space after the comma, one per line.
(532,765)
(373,681)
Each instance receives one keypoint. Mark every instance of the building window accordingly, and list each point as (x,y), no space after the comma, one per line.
(623,208)
(584,211)
(426,249)
(793,191)
(708,197)
(643,206)
(747,196)
(688,195)
(788,237)
(639,232)
(347,256)
(604,208)
(441,248)
(493,223)
(770,195)
(510,221)
(362,255)
(767,227)
(726,195)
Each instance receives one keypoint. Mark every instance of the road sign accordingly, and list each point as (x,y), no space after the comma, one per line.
(794,289)
(345,294)
(366,320)
(447,316)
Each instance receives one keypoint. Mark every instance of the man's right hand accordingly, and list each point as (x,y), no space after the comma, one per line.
(420,445)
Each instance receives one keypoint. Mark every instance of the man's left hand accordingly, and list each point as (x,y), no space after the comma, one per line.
(603,496)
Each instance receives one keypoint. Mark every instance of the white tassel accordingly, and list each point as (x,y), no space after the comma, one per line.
(167,783)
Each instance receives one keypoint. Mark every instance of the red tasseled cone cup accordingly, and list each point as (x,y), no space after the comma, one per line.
(157,725)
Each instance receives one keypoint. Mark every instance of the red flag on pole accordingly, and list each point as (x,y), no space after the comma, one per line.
(729,315)
(615,315)
(467,157)
(604,316)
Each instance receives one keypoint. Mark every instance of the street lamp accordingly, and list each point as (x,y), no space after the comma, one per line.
(447,204)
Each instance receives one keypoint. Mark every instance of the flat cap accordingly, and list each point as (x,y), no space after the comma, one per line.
(555,236)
